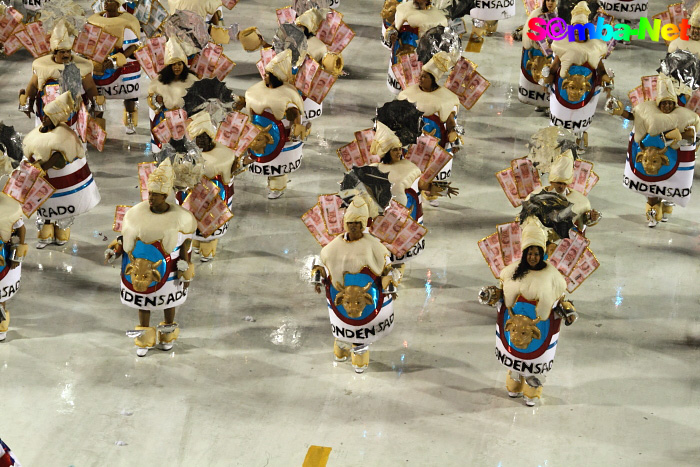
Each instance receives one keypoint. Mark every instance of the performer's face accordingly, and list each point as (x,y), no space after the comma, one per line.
(395,154)
(533,256)
(694,33)
(204,142)
(157,202)
(62,56)
(354,230)
(111,6)
(426,81)
(551,5)
(177,68)
(559,187)
(421,4)
(667,106)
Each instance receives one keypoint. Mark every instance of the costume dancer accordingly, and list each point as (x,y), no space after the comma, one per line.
(439,106)
(485,15)
(533,59)
(531,306)
(43,87)
(661,153)
(576,75)
(56,149)
(13,249)
(118,77)
(210,10)
(359,290)
(155,246)
(693,44)
(220,166)
(169,90)
(276,106)
(411,21)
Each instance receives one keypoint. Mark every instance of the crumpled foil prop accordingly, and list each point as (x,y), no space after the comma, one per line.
(552,209)
(439,38)
(11,142)
(70,80)
(187,161)
(403,118)
(547,144)
(54,10)
(290,37)
(189,28)
(682,66)
(301,6)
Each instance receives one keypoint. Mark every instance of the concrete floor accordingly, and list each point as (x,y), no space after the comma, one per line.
(252,381)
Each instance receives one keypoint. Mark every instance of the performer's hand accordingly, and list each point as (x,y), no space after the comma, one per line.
(159,100)
(23,103)
(317,288)
(14,264)
(452,191)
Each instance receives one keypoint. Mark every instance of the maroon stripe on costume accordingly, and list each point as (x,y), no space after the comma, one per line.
(70,180)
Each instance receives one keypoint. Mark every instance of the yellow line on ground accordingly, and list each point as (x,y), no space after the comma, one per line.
(316,456)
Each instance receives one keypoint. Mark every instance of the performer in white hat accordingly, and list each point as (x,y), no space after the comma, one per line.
(533,59)
(531,306)
(43,87)
(439,106)
(156,268)
(360,290)
(412,19)
(276,106)
(56,149)
(169,90)
(693,44)
(118,77)
(661,153)
(577,76)
(220,166)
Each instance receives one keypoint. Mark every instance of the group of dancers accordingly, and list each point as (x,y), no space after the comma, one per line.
(203,136)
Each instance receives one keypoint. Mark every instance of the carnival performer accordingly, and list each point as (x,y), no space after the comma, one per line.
(577,74)
(46,71)
(692,44)
(355,271)
(533,59)
(118,77)
(331,62)
(57,150)
(13,249)
(276,106)
(439,106)
(661,152)
(531,305)
(220,166)
(411,21)
(169,90)
(155,246)
(485,15)
(561,175)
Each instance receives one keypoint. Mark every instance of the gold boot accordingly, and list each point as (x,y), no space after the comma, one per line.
(146,341)
(208,250)
(166,339)
(195,246)
(62,235)
(360,357)
(45,236)
(131,121)
(4,324)
(491,27)
(666,210)
(276,186)
(654,214)
(514,386)
(531,393)
(341,350)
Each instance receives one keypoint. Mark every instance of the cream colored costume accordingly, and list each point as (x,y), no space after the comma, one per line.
(48,71)
(689,45)
(173,94)
(340,257)
(76,190)
(151,277)
(517,317)
(277,159)
(10,220)
(201,7)
(218,167)
(649,120)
